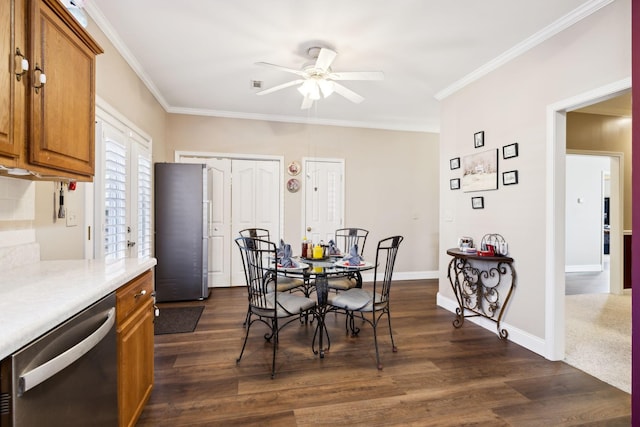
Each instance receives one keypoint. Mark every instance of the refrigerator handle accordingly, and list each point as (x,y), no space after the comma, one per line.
(208,216)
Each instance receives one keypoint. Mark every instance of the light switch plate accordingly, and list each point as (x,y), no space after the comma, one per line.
(72,218)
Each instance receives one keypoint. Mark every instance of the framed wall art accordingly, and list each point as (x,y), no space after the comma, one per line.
(478,139)
(293,168)
(509,151)
(509,178)
(480,171)
(293,185)
(454,184)
(454,163)
(477,202)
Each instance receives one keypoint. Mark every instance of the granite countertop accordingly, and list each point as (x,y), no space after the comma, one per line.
(36,297)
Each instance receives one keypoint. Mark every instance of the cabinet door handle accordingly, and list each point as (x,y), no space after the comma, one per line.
(140,294)
(41,78)
(22,64)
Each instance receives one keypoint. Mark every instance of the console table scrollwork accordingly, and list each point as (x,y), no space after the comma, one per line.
(478,282)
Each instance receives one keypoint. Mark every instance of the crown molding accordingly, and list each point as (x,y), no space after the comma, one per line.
(546,33)
(104,25)
(306,120)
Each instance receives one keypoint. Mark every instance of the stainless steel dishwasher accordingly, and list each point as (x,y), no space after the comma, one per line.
(68,377)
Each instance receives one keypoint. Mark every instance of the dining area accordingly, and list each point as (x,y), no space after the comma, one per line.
(436,368)
(286,290)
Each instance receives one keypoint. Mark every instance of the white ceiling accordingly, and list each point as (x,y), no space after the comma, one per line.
(198,57)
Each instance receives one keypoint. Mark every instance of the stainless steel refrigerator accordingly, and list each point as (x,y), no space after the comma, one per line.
(181,242)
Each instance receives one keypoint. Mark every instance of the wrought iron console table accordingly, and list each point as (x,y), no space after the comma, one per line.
(477,286)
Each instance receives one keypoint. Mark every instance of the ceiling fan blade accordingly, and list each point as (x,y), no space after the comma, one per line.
(347,93)
(306,103)
(282,86)
(357,75)
(281,68)
(325,59)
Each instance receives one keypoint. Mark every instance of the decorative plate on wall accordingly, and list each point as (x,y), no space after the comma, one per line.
(293,185)
(293,168)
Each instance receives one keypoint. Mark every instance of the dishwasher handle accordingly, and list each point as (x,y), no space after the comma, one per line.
(50,368)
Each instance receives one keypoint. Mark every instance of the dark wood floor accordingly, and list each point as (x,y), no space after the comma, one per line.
(440,376)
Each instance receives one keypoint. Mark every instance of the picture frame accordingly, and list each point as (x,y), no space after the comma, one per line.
(478,139)
(454,184)
(510,151)
(293,185)
(294,168)
(510,177)
(477,202)
(454,163)
(480,171)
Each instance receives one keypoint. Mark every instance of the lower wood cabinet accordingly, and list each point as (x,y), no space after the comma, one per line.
(134,319)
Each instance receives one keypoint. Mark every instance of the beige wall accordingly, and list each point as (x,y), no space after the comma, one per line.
(510,104)
(391,177)
(120,87)
(595,132)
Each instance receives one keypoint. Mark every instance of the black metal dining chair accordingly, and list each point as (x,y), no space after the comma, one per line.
(266,304)
(256,233)
(285,283)
(375,302)
(345,239)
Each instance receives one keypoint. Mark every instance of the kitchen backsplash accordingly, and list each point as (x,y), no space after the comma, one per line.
(17,199)
(17,213)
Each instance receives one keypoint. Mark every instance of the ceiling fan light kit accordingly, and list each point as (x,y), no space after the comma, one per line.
(310,89)
(318,79)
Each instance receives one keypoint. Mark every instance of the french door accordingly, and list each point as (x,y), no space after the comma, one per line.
(122,205)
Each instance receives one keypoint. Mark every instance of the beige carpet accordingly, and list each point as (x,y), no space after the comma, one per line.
(598,337)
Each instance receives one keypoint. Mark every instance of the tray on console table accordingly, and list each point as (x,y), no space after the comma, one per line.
(477,283)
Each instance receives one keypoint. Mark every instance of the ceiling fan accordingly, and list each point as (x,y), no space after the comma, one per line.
(317,79)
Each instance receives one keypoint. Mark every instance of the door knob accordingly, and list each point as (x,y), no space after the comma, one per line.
(308,228)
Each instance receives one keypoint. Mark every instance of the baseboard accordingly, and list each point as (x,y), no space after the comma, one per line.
(517,336)
(405,275)
(585,268)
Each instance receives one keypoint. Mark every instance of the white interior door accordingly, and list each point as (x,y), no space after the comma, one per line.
(324,198)
(220,239)
(255,199)
(219,220)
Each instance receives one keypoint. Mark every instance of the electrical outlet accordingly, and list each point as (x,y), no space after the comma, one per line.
(72,218)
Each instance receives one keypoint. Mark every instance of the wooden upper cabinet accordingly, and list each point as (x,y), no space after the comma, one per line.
(62,113)
(47,113)
(13,82)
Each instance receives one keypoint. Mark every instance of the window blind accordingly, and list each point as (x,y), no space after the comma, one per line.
(144,206)
(115,205)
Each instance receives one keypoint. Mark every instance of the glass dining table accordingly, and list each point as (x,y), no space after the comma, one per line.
(316,274)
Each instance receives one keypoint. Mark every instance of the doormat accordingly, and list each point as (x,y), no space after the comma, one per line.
(177,320)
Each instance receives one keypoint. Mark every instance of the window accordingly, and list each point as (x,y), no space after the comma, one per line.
(122,189)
